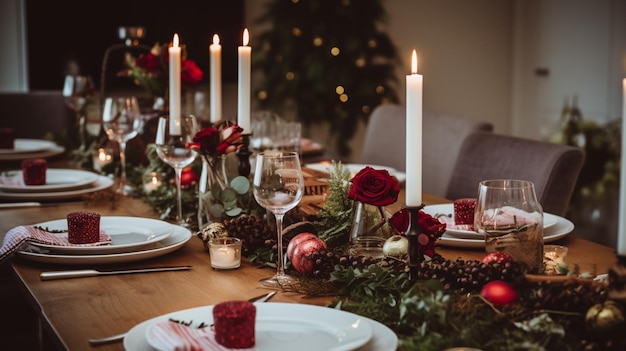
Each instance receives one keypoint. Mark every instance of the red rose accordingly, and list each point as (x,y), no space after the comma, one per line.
(427,223)
(430,227)
(400,220)
(190,72)
(213,142)
(374,187)
(149,62)
(231,139)
(430,224)
(205,141)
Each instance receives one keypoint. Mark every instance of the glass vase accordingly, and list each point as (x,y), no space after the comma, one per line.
(369,231)
(222,194)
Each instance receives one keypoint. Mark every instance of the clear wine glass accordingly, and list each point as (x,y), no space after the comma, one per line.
(278,187)
(76,90)
(508,214)
(121,120)
(171,148)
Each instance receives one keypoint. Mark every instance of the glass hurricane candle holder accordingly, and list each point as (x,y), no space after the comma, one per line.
(225,253)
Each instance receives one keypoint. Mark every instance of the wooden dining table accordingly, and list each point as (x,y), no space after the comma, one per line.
(72,310)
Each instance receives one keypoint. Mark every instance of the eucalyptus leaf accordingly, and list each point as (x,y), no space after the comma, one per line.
(241,185)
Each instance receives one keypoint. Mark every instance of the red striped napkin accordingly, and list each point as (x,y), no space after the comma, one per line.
(17,236)
(174,336)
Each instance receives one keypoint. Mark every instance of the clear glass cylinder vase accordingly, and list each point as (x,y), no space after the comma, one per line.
(221,194)
(369,231)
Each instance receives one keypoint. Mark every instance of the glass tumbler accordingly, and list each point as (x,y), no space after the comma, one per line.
(509,215)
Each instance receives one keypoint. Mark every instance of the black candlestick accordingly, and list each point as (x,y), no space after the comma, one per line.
(617,280)
(243,167)
(412,233)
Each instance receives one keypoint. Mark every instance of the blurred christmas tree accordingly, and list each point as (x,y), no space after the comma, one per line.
(327,59)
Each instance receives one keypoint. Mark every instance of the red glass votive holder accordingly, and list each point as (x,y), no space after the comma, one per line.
(34,171)
(83,227)
(234,324)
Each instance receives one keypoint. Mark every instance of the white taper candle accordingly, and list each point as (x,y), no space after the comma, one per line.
(215,50)
(414,92)
(243,102)
(621,232)
(175,87)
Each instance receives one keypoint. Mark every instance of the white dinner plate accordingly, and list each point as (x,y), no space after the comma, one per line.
(127,234)
(52,151)
(445,214)
(354,168)
(102,183)
(382,338)
(56,180)
(288,327)
(25,146)
(179,237)
(559,230)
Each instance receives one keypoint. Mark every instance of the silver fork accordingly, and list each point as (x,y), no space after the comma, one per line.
(119,337)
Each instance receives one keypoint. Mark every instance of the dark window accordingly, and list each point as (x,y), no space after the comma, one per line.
(63,31)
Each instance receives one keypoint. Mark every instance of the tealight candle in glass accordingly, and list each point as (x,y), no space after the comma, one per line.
(225,253)
(151,181)
(101,157)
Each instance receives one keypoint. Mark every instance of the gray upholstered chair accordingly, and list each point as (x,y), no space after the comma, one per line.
(553,168)
(33,114)
(385,143)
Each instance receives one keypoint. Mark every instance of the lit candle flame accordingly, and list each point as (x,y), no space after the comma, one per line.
(216,39)
(175,40)
(246,37)
(414,63)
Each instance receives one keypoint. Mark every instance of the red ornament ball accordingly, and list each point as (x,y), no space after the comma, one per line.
(499,293)
(497,257)
(300,249)
(188,178)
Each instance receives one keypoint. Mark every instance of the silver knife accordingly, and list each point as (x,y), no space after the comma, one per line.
(118,337)
(92,272)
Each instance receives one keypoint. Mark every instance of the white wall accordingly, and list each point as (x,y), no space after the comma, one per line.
(464,53)
(13,68)
(578,44)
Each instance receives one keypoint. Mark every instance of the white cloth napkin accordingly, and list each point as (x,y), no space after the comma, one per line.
(17,236)
(508,216)
(172,336)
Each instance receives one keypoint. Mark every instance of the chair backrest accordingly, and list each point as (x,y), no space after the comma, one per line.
(553,168)
(33,114)
(385,143)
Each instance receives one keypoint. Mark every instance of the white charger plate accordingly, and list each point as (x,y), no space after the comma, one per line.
(559,230)
(53,151)
(127,234)
(28,146)
(56,180)
(102,183)
(382,338)
(448,210)
(179,237)
(354,168)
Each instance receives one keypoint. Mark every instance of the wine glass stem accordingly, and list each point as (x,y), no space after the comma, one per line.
(280,266)
(123,164)
(179,213)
